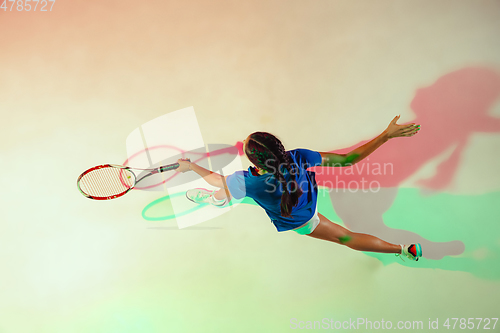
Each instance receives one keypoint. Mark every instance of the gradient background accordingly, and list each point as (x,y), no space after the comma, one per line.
(322,75)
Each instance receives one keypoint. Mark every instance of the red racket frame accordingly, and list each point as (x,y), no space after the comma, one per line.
(153,171)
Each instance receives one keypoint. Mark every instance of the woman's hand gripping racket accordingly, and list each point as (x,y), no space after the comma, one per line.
(108,181)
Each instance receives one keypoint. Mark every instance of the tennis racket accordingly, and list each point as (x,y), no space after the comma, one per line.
(109,181)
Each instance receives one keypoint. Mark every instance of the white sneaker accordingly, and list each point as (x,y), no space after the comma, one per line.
(202,195)
(412,251)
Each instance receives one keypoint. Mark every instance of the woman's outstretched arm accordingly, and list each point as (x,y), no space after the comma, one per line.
(392,131)
(213,178)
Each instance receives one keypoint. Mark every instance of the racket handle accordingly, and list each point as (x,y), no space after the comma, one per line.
(169,167)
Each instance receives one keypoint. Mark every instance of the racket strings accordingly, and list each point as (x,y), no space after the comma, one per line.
(106,181)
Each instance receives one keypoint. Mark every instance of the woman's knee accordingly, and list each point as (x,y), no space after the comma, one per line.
(332,232)
(346,236)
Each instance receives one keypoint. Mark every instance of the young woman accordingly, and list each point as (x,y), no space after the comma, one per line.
(281,184)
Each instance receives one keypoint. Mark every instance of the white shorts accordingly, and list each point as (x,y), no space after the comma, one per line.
(309,226)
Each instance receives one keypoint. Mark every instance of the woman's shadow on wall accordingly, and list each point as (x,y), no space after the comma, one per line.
(449,111)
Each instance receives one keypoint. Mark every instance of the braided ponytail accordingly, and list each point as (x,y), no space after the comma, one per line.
(267,152)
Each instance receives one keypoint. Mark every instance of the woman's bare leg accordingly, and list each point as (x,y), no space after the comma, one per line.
(332,232)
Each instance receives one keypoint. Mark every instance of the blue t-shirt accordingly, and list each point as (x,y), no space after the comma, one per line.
(266,190)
